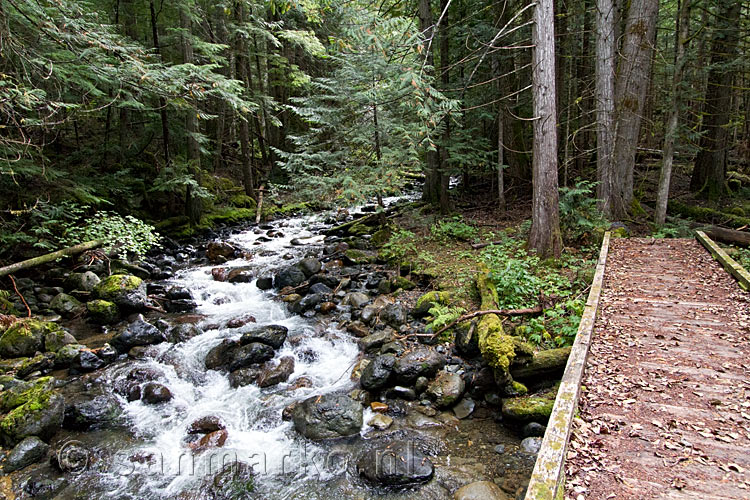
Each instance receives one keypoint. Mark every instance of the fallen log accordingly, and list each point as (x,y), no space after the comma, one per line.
(500,312)
(477,246)
(50,257)
(725,235)
(543,364)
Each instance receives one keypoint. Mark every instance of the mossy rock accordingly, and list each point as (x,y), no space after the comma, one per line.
(34,409)
(25,337)
(528,408)
(66,354)
(403,283)
(381,236)
(128,292)
(102,311)
(544,364)
(359,229)
(56,339)
(66,305)
(428,300)
(358,257)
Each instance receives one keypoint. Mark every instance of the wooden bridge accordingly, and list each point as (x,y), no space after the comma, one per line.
(662,367)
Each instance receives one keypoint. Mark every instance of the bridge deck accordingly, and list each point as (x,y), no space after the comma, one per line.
(666,409)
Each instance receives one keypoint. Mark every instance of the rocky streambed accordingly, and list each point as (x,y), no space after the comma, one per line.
(272,362)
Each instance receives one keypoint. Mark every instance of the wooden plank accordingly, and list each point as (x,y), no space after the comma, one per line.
(548,475)
(731,265)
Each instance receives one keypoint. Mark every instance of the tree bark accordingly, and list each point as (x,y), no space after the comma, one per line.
(681,40)
(606,191)
(431,189)
(630,94)
(709,174)
(192,204)
(162,101)
(545,237)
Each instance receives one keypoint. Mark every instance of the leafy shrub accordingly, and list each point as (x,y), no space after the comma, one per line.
(124,235)
(454,228)
(50,227)
(580,219)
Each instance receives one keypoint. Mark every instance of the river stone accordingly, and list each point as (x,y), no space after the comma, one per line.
(246,355)
(401,392)
(375,341)
(241,275)
(236,480)
(214,439)
(245,376)
(289,276)
(355,299)
(306,303)
(66,305)
(422,361)
(393,315)
(464,408)
(206,425)
(25,337)
(154,393)
(216,357)
(327,307)
(276,374)
(241,321)
(397,464)
(86,361)
(378,372)
(358,329)
(446,389)
(481,490)
(533,429)
(67,354)
(219,273)
(82,281)
(264,282)
(321,289)
(126,291)
(380,421)
(310,266)
(272,335)
(328,416)
(138,333)
(219,251)
(42,363)
(90,414)
(531,445)
(183,332)
(29,451)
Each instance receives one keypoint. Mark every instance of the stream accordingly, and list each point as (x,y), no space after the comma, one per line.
(149,457)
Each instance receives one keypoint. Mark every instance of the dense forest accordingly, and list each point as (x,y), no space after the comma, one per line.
(177,111)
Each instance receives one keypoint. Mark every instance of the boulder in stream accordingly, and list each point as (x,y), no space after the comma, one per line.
(397,464)
(33,409)
(328,416)
(272,335)
(446,389)
(29,451)
(421,361)
(25,337)
(138,333)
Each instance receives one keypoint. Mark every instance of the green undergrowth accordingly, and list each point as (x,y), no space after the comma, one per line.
(423,242)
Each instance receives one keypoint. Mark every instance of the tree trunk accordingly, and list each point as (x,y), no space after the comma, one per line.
(445,204)
(630,93)
(162,101)
(681,40)
(606,189)
(192,204)
(50,257)
(545,235)
(709,174)
(431,190)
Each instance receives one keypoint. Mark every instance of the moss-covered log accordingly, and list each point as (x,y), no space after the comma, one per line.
(50,257)
(543,364)
(705,214)
(496,347)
